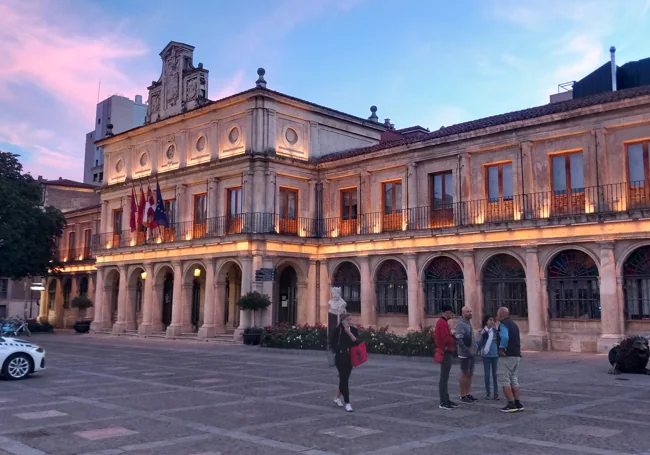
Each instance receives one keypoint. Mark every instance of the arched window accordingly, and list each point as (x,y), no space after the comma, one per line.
(83,286)
(443,285)
(392,288)
(51,295)
(348,278)
(504,284)
(138,295)
(573,290)
(67,290)
(636,275)
(196,303)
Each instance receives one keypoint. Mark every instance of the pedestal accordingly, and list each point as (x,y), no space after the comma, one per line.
(174,331)
(144,330)
(206,332)
(119,327)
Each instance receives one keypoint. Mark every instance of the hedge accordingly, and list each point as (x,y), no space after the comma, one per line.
(378,340)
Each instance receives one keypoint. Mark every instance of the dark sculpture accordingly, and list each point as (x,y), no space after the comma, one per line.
(631,356)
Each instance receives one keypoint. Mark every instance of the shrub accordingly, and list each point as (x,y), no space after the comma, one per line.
(253,301)
(378,340)
(82,302)
(37,327)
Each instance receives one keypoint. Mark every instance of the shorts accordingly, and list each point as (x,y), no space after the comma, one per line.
(467,364)
(509,371)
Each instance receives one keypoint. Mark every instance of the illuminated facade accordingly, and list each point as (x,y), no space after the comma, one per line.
(544,210)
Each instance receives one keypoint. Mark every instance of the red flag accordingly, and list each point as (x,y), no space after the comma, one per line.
(151,210)
(141,209)
(133,212)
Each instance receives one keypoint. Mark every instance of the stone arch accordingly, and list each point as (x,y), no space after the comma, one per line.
(190,266)
(135,299)
(636,283)
(444,284)
(223,267)
(373,272)
(282,263)
(333,265)
(625,255)
(555,251)
(112,288)
(163,276)
(503,281)
(391,286)
(480,266)
(228,281)
(573,285)
(193,300)
(347,276)
(431,257)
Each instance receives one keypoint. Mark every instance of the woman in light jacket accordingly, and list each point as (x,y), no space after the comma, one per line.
(344,336)
(487,344)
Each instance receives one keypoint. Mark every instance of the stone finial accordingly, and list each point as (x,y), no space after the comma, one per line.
(109,130)
(200,65)
(373,116)
(260,82)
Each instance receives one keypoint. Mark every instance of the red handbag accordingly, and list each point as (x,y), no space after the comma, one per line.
(358,354)
(439,356)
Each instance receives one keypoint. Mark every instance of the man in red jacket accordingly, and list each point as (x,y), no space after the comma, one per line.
(446,343)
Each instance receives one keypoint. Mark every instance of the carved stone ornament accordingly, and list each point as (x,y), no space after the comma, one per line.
(172,74)
(155,103)
(119,166)
(337,304)
(192,88)
(171,149)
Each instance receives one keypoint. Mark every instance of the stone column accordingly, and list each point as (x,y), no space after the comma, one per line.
(610,316)
(621,299)
(246,284)
(58,304)
(175,328)
(146,328)
(311,299)
(213,198)
(543,284)
(259,184)
(120,324)
(186,316)
(131,319)
(182,205)
(157,306)
(92,280)
(325,286)
(470,288)
(207,330)
(600,138)
(100,311)
(537,335)
(269,206)
(220,308)
(256,316)
(368,297)
(43,304)
(412,273)
(301,317)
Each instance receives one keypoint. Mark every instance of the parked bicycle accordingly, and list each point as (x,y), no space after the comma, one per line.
(14,326)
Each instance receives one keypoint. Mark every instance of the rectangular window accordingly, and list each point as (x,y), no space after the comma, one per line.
(4,288)
(94,177)
(568,184)
(638,170)
(101,176)
(499,182)
(117,221)
(441,187)
(288,211)
(170,209)
(392,197)
(234,202)
(87,243)
(349,204)
(200,215)
(71,246)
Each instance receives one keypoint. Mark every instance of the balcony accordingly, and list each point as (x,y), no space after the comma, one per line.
(72,255)
(544,208)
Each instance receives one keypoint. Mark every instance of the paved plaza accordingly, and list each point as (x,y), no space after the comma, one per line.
(110,396)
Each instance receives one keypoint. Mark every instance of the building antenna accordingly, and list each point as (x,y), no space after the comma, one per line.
(99,87)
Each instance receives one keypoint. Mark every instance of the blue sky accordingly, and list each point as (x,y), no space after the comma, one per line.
(423,62)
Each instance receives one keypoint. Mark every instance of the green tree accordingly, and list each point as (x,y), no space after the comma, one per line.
(28,231)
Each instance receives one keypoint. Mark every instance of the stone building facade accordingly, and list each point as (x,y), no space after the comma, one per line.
(543,210)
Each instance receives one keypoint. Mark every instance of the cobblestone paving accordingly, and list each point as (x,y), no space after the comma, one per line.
(109,396)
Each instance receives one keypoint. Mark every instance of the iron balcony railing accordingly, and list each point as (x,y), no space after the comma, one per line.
(548,205)
(68,255)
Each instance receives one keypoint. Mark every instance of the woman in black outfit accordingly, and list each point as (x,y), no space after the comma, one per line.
(344,336)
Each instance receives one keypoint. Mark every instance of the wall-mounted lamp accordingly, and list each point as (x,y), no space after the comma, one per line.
(143,275)
(197,272)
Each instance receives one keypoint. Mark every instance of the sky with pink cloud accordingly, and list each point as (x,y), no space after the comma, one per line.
(421,62)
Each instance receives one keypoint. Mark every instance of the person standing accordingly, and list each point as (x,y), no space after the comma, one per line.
(509,357)
(445,343)
(489,350)
(343,338)
(465,346)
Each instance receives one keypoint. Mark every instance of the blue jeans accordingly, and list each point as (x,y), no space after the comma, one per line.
(491,363)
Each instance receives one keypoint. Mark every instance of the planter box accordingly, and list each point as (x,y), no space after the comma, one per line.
(81,326)
(252,338)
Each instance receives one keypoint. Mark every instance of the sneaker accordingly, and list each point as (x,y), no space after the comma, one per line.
(496,397)
(446,406)
(466,400)
(348,407)
(488,396)
(453,405)
(474,400)
(339,402)
(510,407)
(519,406)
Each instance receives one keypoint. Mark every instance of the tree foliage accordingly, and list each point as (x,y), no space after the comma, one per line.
(253,301)
(28,231)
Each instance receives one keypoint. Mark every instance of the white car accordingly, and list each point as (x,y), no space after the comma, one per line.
(20,358)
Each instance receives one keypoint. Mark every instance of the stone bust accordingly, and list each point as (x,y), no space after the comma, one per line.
(336,303)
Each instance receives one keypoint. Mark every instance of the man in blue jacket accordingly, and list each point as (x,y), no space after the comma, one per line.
(509,357)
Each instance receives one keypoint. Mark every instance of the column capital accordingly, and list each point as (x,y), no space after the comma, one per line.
(312,262)
(364,174)
(363,257)
(413,164)
(214,179)
(600,130)
(607,245)
(121,267)
(412,256)
(526,144)
(467,253)
(176,264)
(532,249)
